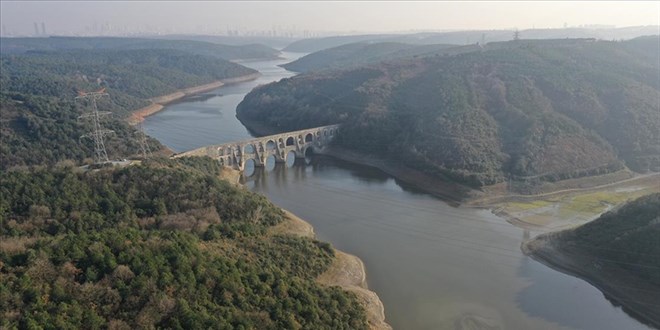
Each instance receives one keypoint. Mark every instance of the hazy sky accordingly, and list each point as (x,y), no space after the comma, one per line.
(66,17)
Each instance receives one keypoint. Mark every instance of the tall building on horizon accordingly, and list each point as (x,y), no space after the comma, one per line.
(36,29)
(43,29)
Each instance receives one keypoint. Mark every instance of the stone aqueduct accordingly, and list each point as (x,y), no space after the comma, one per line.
(236,154)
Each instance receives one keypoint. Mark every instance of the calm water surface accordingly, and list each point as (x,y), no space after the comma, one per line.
(434,266)
(211,117)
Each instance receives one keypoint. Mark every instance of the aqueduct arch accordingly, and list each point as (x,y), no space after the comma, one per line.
(258,150)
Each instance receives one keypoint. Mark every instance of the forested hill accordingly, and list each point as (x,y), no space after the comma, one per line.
(228,52)
(352,55)
(164,244)
(137,73)
(529,110)
(618,252)
(40,122)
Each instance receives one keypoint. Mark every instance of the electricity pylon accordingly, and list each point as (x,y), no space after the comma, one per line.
(142,140)
(100,155)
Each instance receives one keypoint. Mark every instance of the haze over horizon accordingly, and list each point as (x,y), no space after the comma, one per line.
(25,18)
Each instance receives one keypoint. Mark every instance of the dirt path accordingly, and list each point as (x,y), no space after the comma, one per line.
(486,200)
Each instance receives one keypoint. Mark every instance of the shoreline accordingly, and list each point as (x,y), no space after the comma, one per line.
(452,193)
(158,103)
(346,271)
(543,250)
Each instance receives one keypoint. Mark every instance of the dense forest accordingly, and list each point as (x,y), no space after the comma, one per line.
(619,251)
(227,52)
(531,110)
(137,73)
(40,119)
(163,244)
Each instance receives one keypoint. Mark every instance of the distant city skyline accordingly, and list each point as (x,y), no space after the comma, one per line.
(305,19)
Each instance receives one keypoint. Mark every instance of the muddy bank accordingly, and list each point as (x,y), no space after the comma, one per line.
(159,102)
(635,296)
(138,115)
(169,98)
(570,207)
(346,271)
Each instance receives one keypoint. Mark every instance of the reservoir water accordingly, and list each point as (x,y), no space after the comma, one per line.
(434,266)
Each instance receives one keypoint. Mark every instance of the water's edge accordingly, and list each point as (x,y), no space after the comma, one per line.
(347,271)
(542,249)
(159,102)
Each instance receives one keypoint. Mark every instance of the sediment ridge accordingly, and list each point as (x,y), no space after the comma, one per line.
(159,102)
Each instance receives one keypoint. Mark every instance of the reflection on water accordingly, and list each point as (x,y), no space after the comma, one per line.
(197,98)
